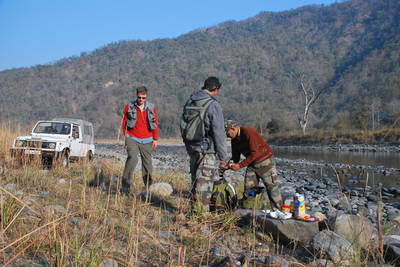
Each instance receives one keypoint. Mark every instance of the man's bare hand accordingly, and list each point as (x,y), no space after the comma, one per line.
(154,144)
(234,166)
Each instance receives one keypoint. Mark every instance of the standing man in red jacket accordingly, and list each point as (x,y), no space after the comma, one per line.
(258,160)
(140,127)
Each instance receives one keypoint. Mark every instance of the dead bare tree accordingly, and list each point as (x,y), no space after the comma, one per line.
(310,96)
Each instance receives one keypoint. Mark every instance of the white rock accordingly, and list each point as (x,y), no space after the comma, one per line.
(161,189)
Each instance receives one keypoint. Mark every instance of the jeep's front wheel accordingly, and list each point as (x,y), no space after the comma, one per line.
(89,156)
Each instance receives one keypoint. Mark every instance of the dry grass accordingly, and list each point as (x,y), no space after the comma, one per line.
(53,217)
(94,225)
(9,131)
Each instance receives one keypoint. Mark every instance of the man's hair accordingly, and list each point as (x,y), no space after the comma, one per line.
(141,90)
(211,83)
(229,124)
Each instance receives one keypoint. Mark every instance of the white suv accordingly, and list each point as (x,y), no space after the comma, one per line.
(58,140)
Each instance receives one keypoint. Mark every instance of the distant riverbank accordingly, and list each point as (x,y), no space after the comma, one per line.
(385,140)
(387,148)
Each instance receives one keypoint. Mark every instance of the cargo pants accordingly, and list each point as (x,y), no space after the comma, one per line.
(134,149)
(267,173)
(204,171)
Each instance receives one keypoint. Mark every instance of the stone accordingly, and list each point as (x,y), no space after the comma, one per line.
(10,187)
(287,231)
(75,220)
(108,263)
(272,261)
(30,213)
(391,246)
(323,263)
(161,189)
(56,209)
(355,229)
(338,249)
(320,216)
(344,204)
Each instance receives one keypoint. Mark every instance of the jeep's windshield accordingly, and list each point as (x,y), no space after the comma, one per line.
(53,128)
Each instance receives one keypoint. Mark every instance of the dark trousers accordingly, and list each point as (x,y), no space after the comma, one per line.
(134,149)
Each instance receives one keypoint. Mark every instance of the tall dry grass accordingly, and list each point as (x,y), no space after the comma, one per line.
(54,217)
(93,225)
(9,131)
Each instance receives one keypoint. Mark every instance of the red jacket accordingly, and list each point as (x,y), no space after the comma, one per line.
(141,129)
(252,145)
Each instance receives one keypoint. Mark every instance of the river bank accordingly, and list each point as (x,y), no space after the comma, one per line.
(329,188)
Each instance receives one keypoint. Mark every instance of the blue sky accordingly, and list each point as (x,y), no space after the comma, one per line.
(42,31)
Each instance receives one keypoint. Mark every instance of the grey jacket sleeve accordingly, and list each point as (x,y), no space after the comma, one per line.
(217,130)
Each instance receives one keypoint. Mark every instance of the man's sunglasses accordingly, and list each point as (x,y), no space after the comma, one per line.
(141,97)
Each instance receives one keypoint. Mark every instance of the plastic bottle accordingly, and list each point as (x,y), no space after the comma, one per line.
(287,205)
(299,205)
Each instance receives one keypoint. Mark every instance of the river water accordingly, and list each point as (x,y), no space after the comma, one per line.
(368,167)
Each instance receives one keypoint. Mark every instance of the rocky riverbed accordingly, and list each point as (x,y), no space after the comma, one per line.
(330,188)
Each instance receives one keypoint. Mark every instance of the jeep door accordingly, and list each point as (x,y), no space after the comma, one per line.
(77,149)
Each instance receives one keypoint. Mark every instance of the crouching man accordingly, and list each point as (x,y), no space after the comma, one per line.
(260,165)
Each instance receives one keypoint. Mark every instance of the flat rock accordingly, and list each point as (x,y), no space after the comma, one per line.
(288,231)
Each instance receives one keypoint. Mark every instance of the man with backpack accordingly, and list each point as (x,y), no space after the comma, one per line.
(258,160)
(202,129)
(140,127)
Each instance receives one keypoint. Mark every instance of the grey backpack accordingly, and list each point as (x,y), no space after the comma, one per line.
(192,122)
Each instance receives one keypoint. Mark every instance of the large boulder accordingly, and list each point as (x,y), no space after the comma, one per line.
(288,231)
(358,230)
(338,249)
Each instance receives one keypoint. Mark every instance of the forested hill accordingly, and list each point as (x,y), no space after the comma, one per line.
(350,50)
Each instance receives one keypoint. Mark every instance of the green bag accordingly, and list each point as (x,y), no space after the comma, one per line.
(254,198)
(223,197)
(192,121)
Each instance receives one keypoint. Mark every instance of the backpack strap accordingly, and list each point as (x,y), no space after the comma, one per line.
(206,106)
